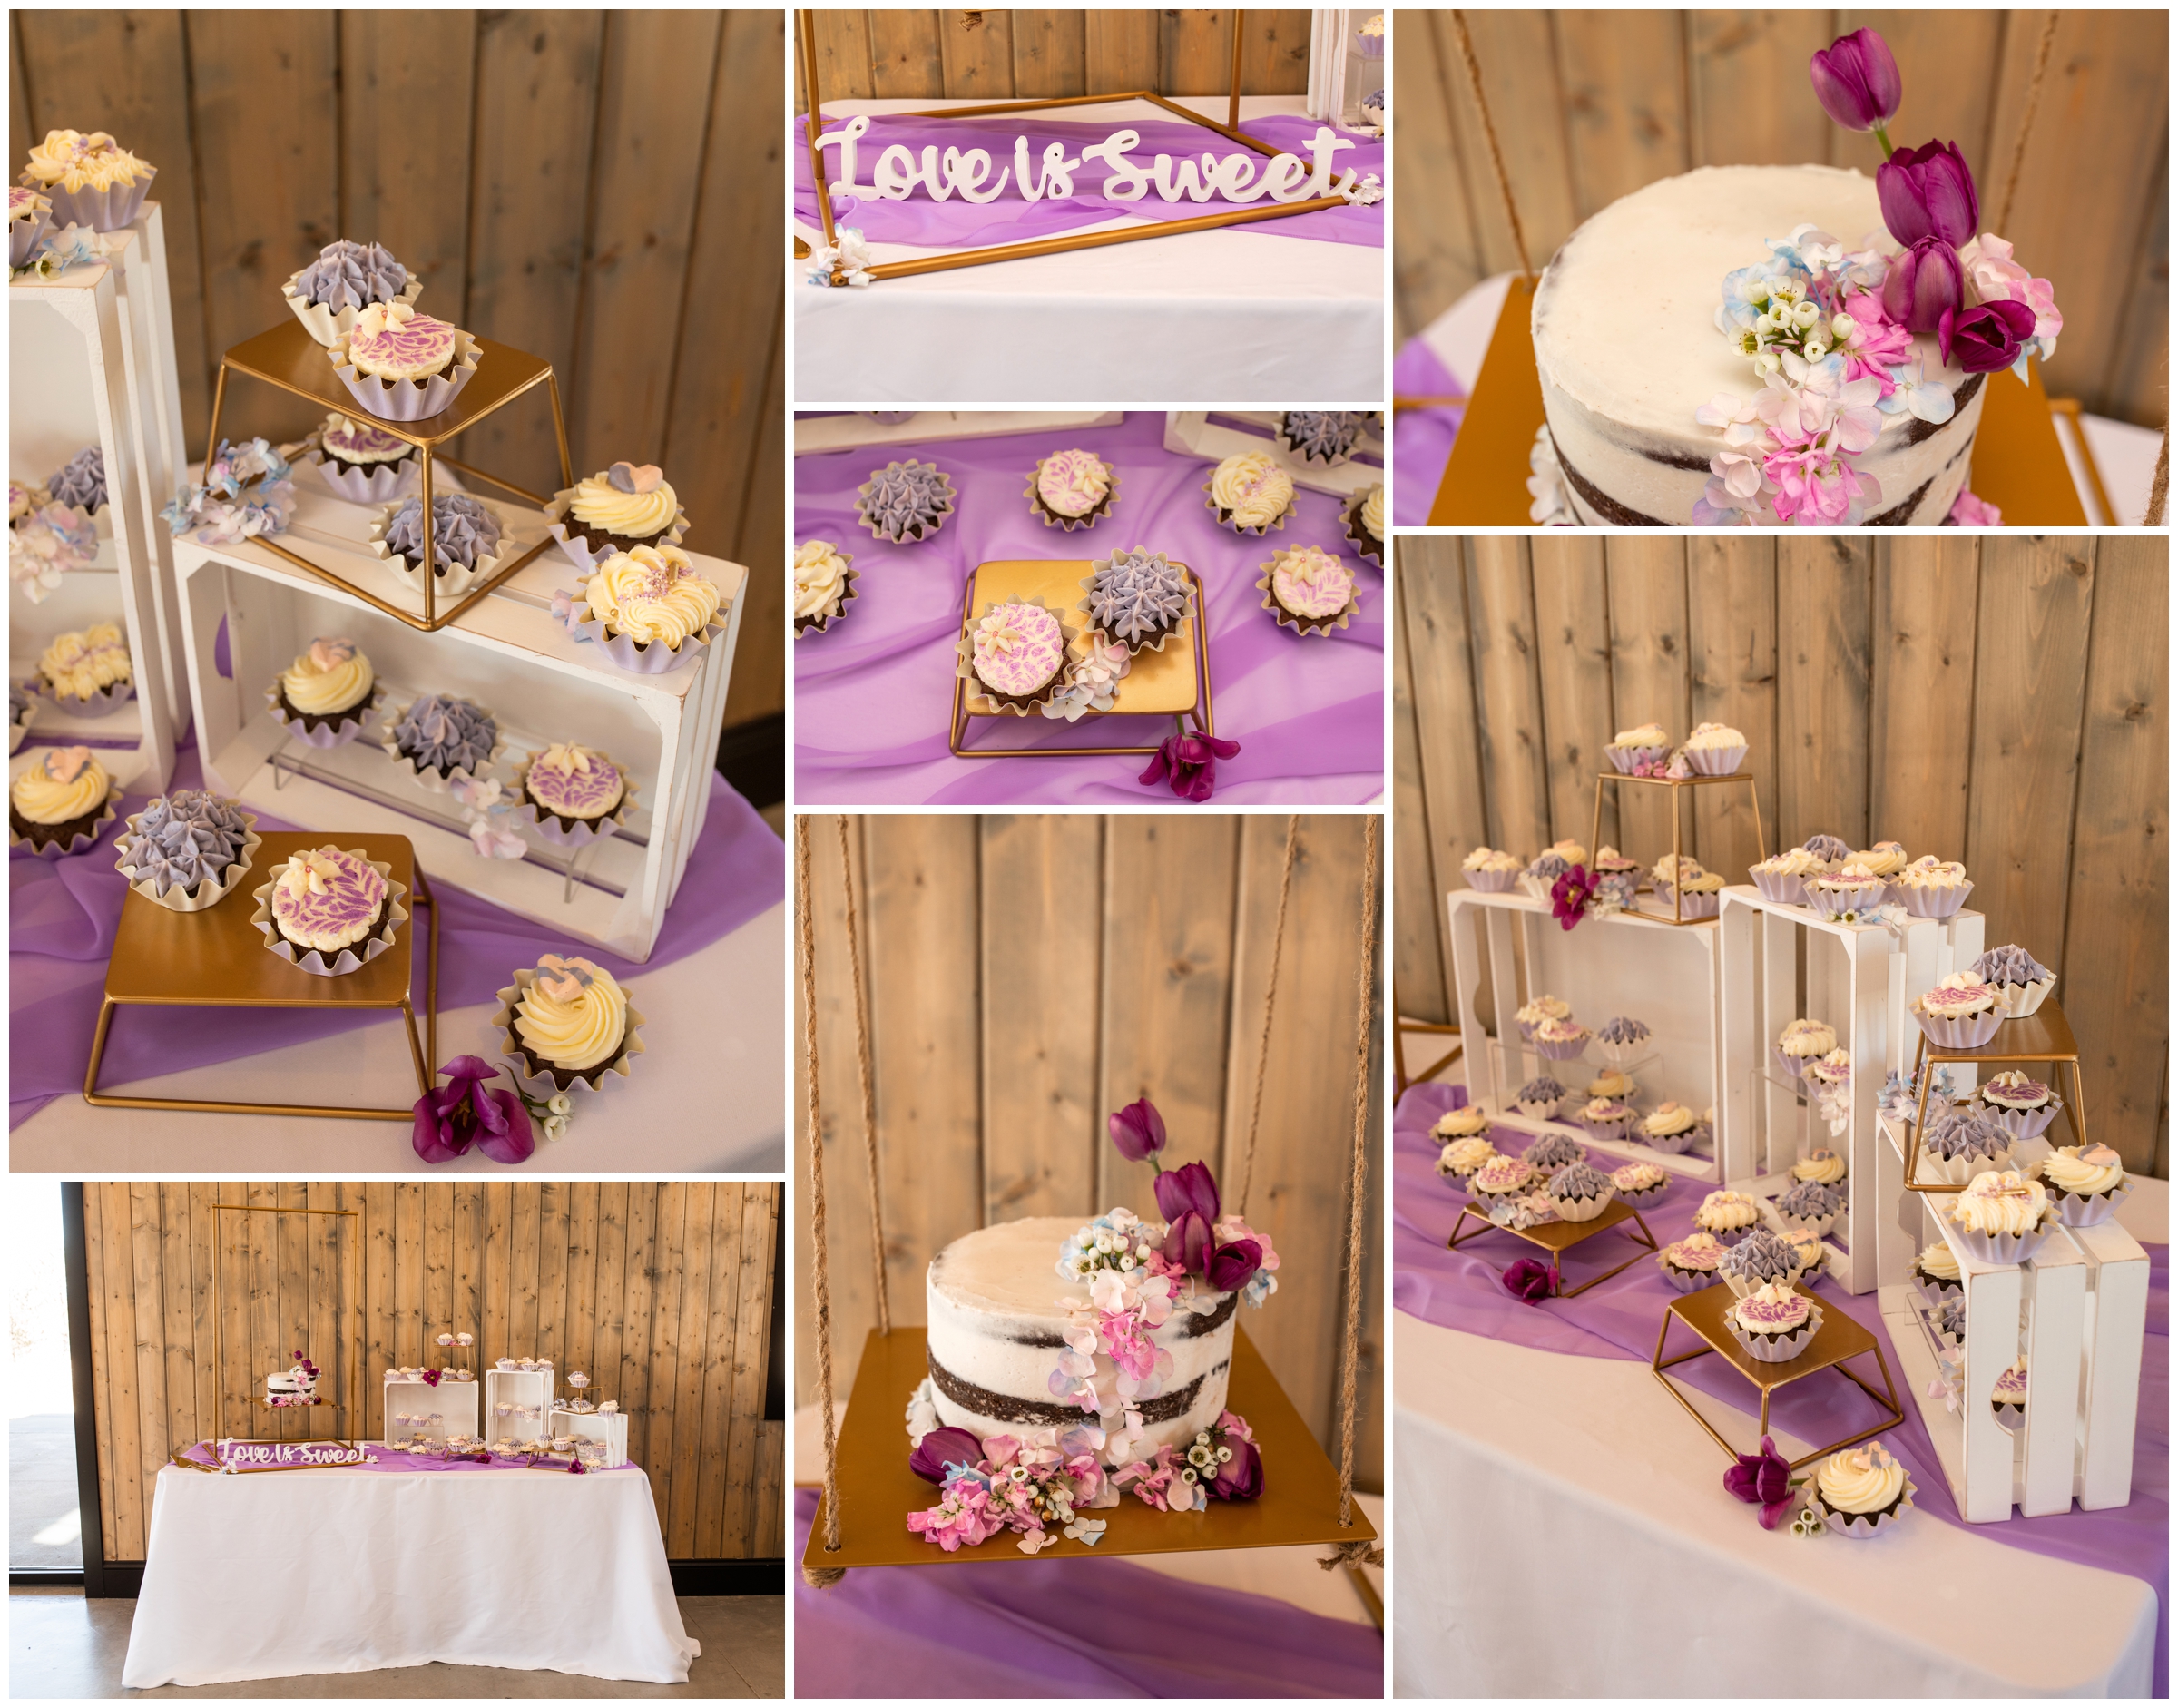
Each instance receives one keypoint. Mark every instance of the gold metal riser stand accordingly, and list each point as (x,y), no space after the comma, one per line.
(2049,1044)
(1557,1238)
(219,1317)
(1595,826)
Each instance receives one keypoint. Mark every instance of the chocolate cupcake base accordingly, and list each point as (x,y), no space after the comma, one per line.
(536,1067)
(1365,544)
(41,837)
(313,722)
(377,925)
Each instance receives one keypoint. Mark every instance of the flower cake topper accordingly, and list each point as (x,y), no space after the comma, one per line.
(565,978)
(632,478)
(330,654)
(65,764)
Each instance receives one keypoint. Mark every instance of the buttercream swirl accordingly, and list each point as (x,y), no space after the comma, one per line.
(573,1015)
(1073,483)
(442,733)
(1611,1083)
(1604,1110)
(1623,1029)
(1930,873)
(1643,735)
(1826,1168)
(1721,1212)
(1939,1262)
(576,782)
(1667,1119)
(1773,1308)
(1136,596)
(84,663)
(1490,859)
(1715,735)
(1808,1201)
(1578,1181)
(2004,1203)
(1962,1133)
(83,482)
(1760,1259)
(1950,1318)
(1456,1123)
(652,592)
(68,783)
(1828,849)
(1372,512)
(1560,1032)
(1832,1067)
(1861,1480)
(1322,436)
(462,531)
(1554,1151)
(391,341)
(1792,862)
(73,160)
(1252,489)
(1885,859)
(1541,1089)
(1504,1174)
(906,501)
(632,501)
(1541,1008)
(182,839)
(1464,1156)
(1310,582)
(331,676)
(352,275)
(819,579)
(2010,965)
(1609,859)
(1638,1177)
(1807,1038)
(325,898)
(2096,1169)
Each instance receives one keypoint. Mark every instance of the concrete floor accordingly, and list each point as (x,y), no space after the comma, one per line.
(60,1645)
(40,1493)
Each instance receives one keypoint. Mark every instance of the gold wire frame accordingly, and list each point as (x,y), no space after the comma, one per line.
(1202,713)
(1560,1237)
(354,1304)
(2044,1036)
(813,124)
(1596,825)
(1839,1339)
(290,359)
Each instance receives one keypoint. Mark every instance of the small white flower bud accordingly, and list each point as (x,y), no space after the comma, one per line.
(1842,327)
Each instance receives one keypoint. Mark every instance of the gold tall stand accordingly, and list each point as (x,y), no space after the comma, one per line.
(2042,1037)
(219,1317)
(1595,824)
(289,358)
(1559,1237)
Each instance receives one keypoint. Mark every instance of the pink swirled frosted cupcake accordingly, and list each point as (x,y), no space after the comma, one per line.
(1959,1013)
(1072,489)
(1308,590)
(574,785)
(1016,653)
(327,900)
(1774,1322)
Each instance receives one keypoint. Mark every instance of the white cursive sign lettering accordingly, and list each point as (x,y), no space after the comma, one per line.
(288,1456)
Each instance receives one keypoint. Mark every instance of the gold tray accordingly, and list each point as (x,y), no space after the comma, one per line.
(1560,1237)
(217,958)
(1298,1506)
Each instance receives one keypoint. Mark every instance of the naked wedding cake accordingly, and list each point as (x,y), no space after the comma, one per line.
(1783,344)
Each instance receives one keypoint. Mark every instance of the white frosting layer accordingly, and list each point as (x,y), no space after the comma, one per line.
(1627,348)
(995,1319)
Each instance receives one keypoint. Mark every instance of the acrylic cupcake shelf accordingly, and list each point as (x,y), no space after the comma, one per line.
(1678,799)
(1230,433)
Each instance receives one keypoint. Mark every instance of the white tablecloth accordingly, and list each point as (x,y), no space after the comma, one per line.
(1236,317)
(708,1093)
(282,1573)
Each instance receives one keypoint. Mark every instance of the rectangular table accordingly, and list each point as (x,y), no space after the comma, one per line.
(277,1573)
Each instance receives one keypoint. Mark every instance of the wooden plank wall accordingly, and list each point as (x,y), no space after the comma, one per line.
(588,186)
(1027,976)
(1591,105)
(661,1292)
(1999,701)
(1024,55)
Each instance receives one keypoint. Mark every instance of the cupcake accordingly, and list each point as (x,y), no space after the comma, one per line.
(1639,1183)
(1578,1192)
(1487,869)
(1714,750)
(90,179)
(1322,438)
(2002,1218)
(1808,1248)
(402,366)
(2019,980)
(627,505)
(22,710)
(1760,1259)
(1461,1123)
(325,905)
(82,485)
(1782,877)
(1613,1083)
(577,790)
(1137,599)
(1617,878)
(1949,1320)
(1554,1151)
(824,580)
(443,738)
(1540,1099)
(1622,1039)
(2007,1399)
(1935,1273)
(1523,1210)
(89,672)
(1460,1158)
(1644,744)
(1014,654)
(1831,850)
(1801,1042)
(1885,859)
(569,1022)
(1824,1167)
(1728,1215)
(465,541)
(1251,493)
(29,218)
(2022,1107)
(1308,590)
(1807,1207)
(1961,1144)
(1365,524)
(328,694)
(345,280)
(1533,1013)
(1959,1013)
(61,802)
(364,464)
(1849,894)
(1603,1118)
(1552,864)
(187,849)
(1931,888)
(1560,1040)
(1859,1491)
(2088,1183)
(1501,1177)
(1690,1264)
(1775,1323)
(905,503)
(1671,1127)
(1695,893)
(1072,489)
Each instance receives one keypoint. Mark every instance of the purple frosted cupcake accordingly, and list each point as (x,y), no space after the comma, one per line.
(1552,1152)
(575,788)
(1961,1144)
(1690,1264)
(2019,980)
(1807,1207)
(1579,1193)
(1622,1040)
(903,504)
(1774,1324)
(1540,1099)
(1757,1260)
(2022,1107)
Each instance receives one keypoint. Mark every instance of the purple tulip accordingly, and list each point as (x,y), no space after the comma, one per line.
(941,1448)
(1763,1479)
(463,1112)
(1856,81)
(1988,338)
(1232,1266)
(1927,191)
(1138,1130)
(1924,284)
(1189,1188)
(1191,761)
(1240,1478)
(1527,1280)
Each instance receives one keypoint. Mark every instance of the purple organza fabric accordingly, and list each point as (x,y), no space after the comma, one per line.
(1619,1318)
(1422,438)
(62,916)
(1072,1627)
(873,693)
(957,223)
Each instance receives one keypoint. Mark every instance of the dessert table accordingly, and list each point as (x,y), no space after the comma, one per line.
(873,692)
(1541,1467)
(275,1573)
(1240,315)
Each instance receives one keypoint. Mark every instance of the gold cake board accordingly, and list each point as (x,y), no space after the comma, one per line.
(2018,463)
(1298,1506)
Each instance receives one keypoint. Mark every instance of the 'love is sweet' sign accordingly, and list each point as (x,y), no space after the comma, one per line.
(288,1456)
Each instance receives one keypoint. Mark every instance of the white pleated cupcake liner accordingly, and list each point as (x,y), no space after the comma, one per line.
(546,824)
(2009,1416)
(1251,531)
(1582,1209)
(1793,1067)
(1843,906)
(329,326)
(428,777)
(1491,883)
(18,730)
(1785,888)
(1817,1225)
(409,399)
(23,236)
(575,545)
(543,1085)
(1643,1195)
(951,502)
(1698,904)
(1596,1131)
(1725,1236)
(1933,1293)
(2018,1001)
(1622,1054)
(1624,758)
(381,483)
(453,577)
(1960,1032)
(1682,1280)
(1672,1144)
(2023,1123)
(1715,762)
(1742,1285)
(2088,1210)
(2003,1247)
(345,959)
(1931,901)
(207,893)
(96,706)
(1367,546)
(1861,1526)
(1558,1051)
(75,844)
(346,725)
(1956,1171)
(637,658)
(112,209)
(1541,1111)
(1784,1349)
(1323,627)
(849,576)
(1535,888)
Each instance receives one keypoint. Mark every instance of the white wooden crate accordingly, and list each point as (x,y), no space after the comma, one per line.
(609,1427)
(1780,962)
(68,387)
(519,1387)
(455,1402)
(1192,433)
(1611,964)
(817,433)
(508,653)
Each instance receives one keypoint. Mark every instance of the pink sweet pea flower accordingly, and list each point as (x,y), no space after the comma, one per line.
(1969,512)
(1878,342)
(1992,275)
